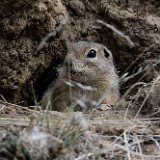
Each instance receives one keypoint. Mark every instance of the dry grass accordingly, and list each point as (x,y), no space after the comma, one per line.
(97,135)
(86,136)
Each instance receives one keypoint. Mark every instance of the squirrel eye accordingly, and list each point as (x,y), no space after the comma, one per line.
(92,53)
(106,53)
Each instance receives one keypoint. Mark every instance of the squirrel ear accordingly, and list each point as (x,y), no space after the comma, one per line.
(106,53)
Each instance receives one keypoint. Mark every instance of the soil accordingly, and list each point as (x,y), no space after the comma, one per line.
(34,35)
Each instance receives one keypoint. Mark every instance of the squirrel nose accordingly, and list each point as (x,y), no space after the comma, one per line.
(68,64)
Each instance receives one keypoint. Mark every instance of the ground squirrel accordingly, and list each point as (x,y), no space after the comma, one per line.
(86,80)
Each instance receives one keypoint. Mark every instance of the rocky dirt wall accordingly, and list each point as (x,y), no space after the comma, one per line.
(23,26)
(25,23)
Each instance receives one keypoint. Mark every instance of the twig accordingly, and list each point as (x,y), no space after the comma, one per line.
(134,85)
(140,83)
(2,107)
(125,140)
(156,142)
(157,79)
(85,156)
(14,105)
(81,86)
(3,98)
(124,79)
(51,34)
(136,153)
(133,98)
(147,69)
(139,56)
(117,32)
(139,147)
(13,121)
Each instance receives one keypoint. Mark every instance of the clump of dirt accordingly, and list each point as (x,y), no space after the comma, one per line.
(23,25)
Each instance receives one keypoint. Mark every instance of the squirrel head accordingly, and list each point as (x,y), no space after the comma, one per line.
(88,58)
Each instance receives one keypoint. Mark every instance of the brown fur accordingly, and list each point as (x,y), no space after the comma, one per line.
(98,73)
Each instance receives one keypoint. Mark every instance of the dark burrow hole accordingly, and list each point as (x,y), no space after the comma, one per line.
(47,78)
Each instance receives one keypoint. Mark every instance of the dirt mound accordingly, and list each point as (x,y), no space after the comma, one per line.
(23,25)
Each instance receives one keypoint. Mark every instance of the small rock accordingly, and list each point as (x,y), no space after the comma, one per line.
(78,7)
